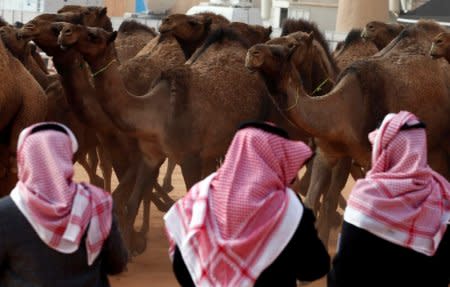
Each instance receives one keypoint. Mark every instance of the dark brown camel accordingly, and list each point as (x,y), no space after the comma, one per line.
(380,33)
(369,85)
(318,73)
(441,46)
(22,103)
(352,49)
(76,80)
(131,38)
(174,118)
(58,109)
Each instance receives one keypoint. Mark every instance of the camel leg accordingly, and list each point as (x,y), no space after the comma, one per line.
(328,216)
(320,180)
(191,168)
(106,167)
(167,183)
(92,160)
(83,161)
(301,185)
(145,180)
(357,172)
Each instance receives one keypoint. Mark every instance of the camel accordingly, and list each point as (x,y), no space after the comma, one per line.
(58,109)
(441,46)
(22,103)
(131,38)
(380,33)
(299,25)
(174,118)
(352,49)
(313,62)
(365,84)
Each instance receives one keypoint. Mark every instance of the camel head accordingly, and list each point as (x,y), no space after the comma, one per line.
(253,33)
(380,33)
(268,59)
(17,45)
(185,27)
(299,42)
(96,17)
(441,46)
(91,42)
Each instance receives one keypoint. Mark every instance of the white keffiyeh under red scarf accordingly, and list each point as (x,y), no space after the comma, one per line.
(58,209)
(235,223)
(401,200)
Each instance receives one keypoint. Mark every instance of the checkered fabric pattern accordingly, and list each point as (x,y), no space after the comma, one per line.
(58,209)
(402,199)
(234,224)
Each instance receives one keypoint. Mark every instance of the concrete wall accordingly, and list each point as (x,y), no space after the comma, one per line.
(181,6)
(357,13)
(116,8)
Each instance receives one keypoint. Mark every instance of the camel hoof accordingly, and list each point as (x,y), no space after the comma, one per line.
(138,243)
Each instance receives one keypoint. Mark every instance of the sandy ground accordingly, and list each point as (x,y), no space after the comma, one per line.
(153,268)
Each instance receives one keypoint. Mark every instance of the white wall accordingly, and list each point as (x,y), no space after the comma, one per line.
(51,6)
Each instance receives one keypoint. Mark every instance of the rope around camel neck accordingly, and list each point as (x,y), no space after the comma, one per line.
(104,68)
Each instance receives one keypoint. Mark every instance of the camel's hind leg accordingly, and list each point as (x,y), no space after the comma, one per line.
(320,180)
(328,216)
(167,183)
(106,166)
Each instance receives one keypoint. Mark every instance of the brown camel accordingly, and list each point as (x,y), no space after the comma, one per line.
(180,36)
(313,62)
(369,85)
(175,118)
(441,46)
(352,49)
(380,33)
(131,38)
(58,109)
(316,69)
(299,25)
(22,103)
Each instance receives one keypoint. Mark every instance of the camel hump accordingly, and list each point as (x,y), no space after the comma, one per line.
(132,26)
(219,36)
(296,25)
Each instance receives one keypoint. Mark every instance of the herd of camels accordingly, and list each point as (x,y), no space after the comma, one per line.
(136,97)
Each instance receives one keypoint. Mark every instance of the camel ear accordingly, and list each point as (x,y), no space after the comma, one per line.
(112,37)
(269,30)
(57,27)
(103,11)
(207,21)
(292,47)
(310,37)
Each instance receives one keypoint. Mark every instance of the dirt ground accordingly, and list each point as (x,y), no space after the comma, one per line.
(154,267)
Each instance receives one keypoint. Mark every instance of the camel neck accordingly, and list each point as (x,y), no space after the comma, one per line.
(320,116)
(79,91)
(111,91)
(41,77)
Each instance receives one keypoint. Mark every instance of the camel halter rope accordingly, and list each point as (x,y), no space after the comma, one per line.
(103,69)
(319,87)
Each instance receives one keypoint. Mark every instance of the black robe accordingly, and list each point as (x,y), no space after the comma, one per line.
(304,258)
(364,259)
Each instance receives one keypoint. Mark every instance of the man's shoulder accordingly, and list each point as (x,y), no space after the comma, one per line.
(7,205)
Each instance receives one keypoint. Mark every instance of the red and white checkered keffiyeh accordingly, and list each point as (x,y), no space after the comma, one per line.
(58,209)
(234,224)
(401,200)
